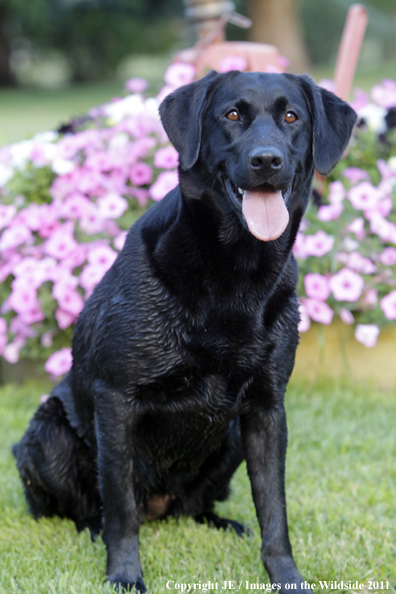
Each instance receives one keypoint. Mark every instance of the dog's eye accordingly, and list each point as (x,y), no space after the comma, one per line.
(233,115)
(290,117)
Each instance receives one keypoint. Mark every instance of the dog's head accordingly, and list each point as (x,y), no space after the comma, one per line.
(253,139)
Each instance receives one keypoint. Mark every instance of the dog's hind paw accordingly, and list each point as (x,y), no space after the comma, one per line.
(214,520)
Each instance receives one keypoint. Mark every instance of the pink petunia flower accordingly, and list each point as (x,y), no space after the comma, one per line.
(29,272)
(357,227)
(64,319)
(388,256)
(316,286)
(346,316)
(92,222)
(385,94)
(388,305)
(384,169)
(141,174)
(364,196)
(14,236)
(232,63)
(23,298)
(299,250)
(48,219)
(337,192)
(75,206)
(166,158)
(305,323)
(102,256)
(112,206)
(361,99)
(19,326)
(119,241)
(166,181)
(329,212)
(136,85)
(355,174)
(61,243)
(11,351)
(47,338)
(70,300)
(32,315)
(74,259)
(319,311)
(7,268)
(318,244)
(90,277)
(7,213)
(370,299)
(359,263)
(346,285)
(179,74)
(367,334)
(30,217)
(383,228)
(59,362)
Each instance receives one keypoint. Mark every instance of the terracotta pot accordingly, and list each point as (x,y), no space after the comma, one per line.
(333,351)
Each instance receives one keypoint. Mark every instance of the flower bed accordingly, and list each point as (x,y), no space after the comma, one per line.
(68,198)
(346,244)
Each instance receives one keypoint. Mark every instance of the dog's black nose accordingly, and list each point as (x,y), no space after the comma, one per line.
(266,159)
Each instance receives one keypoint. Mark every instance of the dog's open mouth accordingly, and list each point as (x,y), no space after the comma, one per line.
(263,207)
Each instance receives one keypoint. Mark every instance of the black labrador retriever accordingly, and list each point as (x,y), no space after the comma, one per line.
(182,354)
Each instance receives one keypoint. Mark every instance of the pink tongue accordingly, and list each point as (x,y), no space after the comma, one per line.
(265,213)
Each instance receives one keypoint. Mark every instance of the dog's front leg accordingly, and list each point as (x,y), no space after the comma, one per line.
(264,435)
(115,466)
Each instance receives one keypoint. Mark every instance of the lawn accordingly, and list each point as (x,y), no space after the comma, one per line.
(341,476)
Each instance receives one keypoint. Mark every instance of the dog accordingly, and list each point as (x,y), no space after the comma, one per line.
(182,355)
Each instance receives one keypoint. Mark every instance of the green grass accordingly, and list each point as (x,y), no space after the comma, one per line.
(341,477)
(26,111)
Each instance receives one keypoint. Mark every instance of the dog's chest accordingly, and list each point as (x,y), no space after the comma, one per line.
(229,344)
(179,440)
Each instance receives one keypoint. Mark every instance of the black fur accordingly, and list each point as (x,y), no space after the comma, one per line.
(182,355)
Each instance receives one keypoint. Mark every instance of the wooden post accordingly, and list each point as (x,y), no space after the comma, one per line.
(348,52)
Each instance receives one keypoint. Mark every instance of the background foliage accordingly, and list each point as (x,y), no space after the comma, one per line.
(91,37)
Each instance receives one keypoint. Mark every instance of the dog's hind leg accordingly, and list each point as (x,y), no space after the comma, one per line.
(58,469)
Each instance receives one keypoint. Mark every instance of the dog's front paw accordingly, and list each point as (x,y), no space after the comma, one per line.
(283,572)
(122,585)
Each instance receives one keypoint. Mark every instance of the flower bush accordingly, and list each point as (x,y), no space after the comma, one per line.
(66,202)
(346,246)
(67,199)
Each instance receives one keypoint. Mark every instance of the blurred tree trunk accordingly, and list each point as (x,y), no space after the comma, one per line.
(6,76)
(278,23)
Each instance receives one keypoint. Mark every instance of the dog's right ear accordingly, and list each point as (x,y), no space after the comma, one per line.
(182,114)
(333,121)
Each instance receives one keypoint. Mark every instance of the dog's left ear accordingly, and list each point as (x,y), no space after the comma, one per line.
(182,114)
(332,120)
